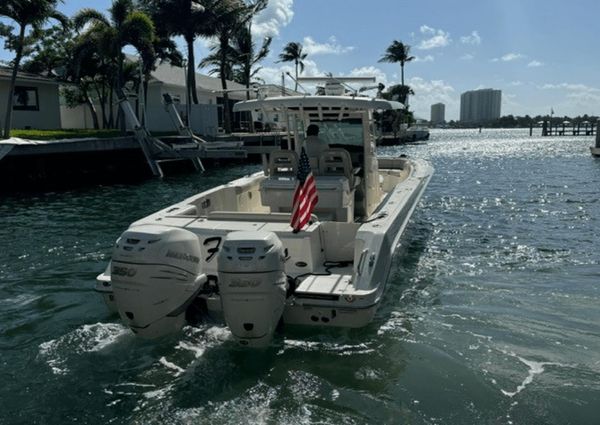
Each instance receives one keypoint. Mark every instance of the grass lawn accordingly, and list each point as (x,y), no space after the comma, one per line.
(73,134)
(64,134)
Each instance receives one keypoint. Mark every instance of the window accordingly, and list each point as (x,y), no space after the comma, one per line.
(347,132)
(26,99)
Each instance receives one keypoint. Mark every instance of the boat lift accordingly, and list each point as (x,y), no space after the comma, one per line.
(185,146)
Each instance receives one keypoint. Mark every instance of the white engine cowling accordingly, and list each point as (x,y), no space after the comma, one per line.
(155,275)
(252,284)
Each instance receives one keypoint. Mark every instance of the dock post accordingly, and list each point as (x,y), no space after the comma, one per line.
(530,129)
(544,128)
(597,135)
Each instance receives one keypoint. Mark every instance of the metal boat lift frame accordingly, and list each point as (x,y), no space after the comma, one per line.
(157,151)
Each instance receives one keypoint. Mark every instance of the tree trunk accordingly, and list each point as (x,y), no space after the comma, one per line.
(13,81)
(120,84)
(226,111)
(296,87)
(145,107)
(250,118)
(93,111)
(102,99)
(191,69)
(402,73)
(111,116)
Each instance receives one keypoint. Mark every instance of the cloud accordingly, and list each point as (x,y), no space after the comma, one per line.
(516,83)
(370,71)
(277,14)
(577,98)
(435,38)
(474,38)
(272,74)
(535,64)
(509,57)
(331,47)
(428,58)
(570,87)
(467,57)
(429,92)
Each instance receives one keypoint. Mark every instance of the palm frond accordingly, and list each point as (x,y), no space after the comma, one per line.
(86,16)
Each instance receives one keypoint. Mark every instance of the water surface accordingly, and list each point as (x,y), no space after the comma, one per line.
(491,313)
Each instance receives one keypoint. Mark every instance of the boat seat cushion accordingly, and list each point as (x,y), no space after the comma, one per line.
(333,191)
(283,163)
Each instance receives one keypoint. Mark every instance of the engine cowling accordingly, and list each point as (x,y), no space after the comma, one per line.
(252,284)
(155,275)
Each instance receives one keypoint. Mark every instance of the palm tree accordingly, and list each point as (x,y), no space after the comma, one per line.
(25,13)
(292,52)
(228,17)
(246,56)
(397,52)
(186,18)
(91,69)
(126,26)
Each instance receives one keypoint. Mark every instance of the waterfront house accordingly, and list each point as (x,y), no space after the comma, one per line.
(35,101)
(207,116)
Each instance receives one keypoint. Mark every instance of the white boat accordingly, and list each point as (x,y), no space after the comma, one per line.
(232,251)
(416,132)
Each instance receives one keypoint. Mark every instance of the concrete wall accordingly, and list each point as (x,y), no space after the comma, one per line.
(48,115)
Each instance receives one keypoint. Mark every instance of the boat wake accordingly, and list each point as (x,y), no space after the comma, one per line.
(58,353)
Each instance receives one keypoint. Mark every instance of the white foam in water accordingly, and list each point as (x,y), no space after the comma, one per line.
(535,368)
(198,351)
(178,370)
(20,300)
(86,339)
(158,394)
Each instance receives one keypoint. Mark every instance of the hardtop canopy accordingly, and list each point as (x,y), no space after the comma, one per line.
(291,103)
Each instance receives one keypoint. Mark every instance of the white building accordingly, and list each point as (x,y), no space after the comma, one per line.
(35,101)
(438,114)
(480,106)
(206,116)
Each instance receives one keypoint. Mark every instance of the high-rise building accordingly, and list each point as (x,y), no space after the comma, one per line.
(480,106)
(438,114)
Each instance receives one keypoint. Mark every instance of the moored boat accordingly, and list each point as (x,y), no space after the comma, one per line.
(232,249)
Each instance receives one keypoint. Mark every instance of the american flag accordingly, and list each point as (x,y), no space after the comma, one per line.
(305,196)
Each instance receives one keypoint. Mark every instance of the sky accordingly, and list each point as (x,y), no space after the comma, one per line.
(543,55)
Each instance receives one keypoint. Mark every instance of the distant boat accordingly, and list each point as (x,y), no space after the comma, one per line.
(415,133)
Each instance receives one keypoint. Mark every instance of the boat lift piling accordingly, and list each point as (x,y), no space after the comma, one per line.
(596,149)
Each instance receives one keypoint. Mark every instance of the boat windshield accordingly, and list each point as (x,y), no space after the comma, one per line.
(346,132)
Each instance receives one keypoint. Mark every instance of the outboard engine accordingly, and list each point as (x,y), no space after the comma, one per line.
(252,284)
(155,275)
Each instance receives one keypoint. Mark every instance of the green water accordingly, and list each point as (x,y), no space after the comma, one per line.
(491,315)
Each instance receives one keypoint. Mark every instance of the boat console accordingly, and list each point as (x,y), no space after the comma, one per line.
(334,178)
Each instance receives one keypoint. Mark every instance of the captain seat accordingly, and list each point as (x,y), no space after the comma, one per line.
(283,163)
(337,162)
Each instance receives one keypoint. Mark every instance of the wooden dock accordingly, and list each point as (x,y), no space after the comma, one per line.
(550,128)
